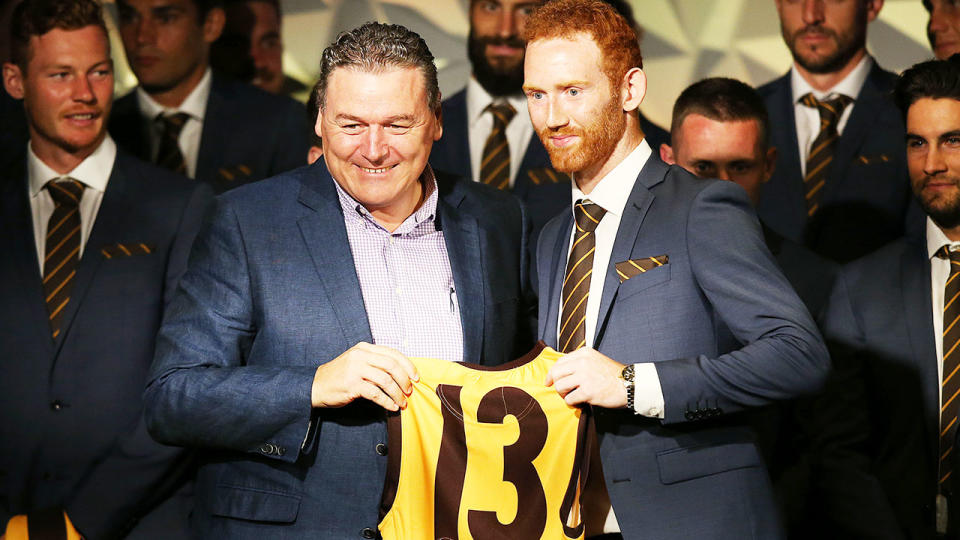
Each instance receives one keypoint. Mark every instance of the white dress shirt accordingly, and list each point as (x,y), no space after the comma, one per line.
(939,272)
(93,173)
(808,118)
(480,123)
(195,106)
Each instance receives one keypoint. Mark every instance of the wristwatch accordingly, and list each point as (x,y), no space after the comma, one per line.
(627,376)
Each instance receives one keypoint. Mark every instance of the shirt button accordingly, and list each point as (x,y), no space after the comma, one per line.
(654,411)
(367,532)
(381,449)
(392,240)
(399,291)
(56,405)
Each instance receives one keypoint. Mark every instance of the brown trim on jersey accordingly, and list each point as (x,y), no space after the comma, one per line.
(529,357)
(586,432)
(392,481)
(451,465)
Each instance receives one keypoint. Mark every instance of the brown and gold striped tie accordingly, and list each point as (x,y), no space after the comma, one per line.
(495,164)
(62,248)
(821,152)
(169,156)
(950,383)
(576,281)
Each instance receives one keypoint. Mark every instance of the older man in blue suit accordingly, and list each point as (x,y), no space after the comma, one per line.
(659,288)
(93,243)
(306,293)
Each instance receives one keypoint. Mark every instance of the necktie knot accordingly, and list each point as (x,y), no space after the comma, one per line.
(65,192)
(588,215)
(830,109)
(173,123)
(502,113)
(953,256)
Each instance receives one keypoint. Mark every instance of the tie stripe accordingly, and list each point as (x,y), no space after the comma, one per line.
(821,152)
(576,281)
(61,248)
(495,161)
(169,155)
(950,383)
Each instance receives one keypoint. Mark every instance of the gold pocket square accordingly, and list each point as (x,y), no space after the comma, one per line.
(231,173)
(546,175)
(628,269)
(867,160)
(126,250)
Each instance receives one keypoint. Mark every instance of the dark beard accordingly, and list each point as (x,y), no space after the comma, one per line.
(945,216)
(496,82)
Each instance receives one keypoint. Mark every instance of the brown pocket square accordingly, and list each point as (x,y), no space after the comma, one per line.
(546,175)
(628,269)
(232,173)
(126,250)
(867,160)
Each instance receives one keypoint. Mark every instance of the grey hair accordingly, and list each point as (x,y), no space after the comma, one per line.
(375,47)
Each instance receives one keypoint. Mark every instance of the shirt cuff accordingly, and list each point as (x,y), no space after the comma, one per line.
(647,395)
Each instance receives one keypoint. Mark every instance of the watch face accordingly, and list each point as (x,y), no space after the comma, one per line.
(627,373)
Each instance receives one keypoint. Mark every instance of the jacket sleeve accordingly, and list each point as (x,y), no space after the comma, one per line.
(782,354)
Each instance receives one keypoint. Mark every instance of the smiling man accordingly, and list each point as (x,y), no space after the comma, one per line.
(94,243)
(307,293)
(838,185)
(189,119)
(674,320)
(888,421)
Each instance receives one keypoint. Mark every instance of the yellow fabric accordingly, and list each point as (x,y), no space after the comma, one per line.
(17,529)
(412,514)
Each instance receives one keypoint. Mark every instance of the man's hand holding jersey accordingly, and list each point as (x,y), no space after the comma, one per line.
(379,374)
(586,376)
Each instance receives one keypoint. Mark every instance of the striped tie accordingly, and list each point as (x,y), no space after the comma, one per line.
(62,248)
(821,153)
(576,281)
(169,156)
(495,164)
(950,385)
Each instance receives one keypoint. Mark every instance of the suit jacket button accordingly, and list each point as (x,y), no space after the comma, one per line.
(688,415)
(56,405)
(280,450)
(367,532)
(266,449)
(381,449)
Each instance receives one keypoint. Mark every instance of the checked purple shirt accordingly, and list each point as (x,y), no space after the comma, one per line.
(405,279)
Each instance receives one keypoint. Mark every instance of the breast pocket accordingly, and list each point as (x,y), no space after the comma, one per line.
(650,278)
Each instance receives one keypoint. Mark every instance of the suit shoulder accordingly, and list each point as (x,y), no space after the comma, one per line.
(243,95)
(772,87)
(458,99)
(262,195)
(880,263)
(159,182)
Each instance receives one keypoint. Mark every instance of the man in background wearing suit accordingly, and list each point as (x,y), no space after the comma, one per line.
(839,183)
(943,28)
(290,333)
(187,118)
(672,311)
(487,133)
(94,242)
(888,418)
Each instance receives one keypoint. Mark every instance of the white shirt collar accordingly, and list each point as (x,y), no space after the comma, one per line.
(195,104)
(850,85)
(93,172)
(478,99)
(936,239)
(613,190)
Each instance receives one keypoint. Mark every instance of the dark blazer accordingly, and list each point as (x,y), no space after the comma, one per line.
(726,333)
(247,135)
(877,422)
(272,293)
(543,200)
(13,133)
(72,433)
(866,198)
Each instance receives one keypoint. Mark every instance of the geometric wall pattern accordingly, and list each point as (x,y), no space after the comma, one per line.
(684,40)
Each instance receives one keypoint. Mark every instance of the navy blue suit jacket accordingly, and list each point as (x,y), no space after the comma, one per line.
(866,198)
(726,333)
(247,135)
(72,433)
(877,424)
(272,293)
(542,200)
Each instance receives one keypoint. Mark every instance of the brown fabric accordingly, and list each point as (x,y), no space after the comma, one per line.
(950,383)
(119,250)
(169,156)
(576,281)
(495,159)
(62,249)
(821,153)
(633,267)
(47,525)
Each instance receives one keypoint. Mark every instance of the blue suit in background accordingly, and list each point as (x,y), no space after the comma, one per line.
(247,134)
(726,333)
(272,293)
(72,434)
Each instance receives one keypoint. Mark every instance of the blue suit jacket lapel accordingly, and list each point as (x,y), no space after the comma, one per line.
(17,241)
(789,188)
(551,266)
(635,210)
(461,235)
(325,236)
(212,140)
(915,286)
(535,157)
